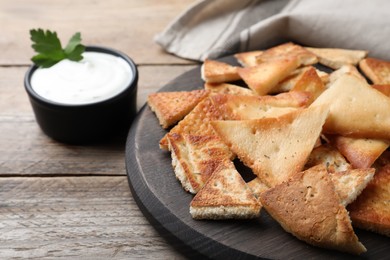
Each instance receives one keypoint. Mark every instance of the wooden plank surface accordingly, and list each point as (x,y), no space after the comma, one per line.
(125,25)
(73,202)
(75,217)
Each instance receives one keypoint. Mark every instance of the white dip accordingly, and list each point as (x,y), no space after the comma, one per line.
(98,76)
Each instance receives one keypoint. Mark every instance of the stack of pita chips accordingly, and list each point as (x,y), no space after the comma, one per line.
(312,139)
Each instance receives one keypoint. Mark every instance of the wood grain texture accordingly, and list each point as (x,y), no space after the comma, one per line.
(70,217)
(73,202)
(127,25)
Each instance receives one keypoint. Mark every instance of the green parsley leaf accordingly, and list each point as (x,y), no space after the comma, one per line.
(49,48)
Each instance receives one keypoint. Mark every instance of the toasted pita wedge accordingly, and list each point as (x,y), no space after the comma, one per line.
(197,122)
(336,58)
(257,187)
(350,184)
(329,156)
(308,207)
(274,148)
(225,196)
(265,76)
(290,81)
(253,107)
(360,152)
(384,89)
(290,51)
(171,107)
(247,59)
(310,82)
(378,71)
(194,158)
(224,88)
(356,109)
(371,210)
(345,69)
(213,71)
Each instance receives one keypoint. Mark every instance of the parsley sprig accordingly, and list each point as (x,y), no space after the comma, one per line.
(49,48)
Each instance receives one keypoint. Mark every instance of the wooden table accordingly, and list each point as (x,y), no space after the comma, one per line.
(67,201)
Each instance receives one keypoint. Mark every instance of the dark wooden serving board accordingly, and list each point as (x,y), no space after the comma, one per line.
(166,205)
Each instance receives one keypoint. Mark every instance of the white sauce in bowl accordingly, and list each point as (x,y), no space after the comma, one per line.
(97,77)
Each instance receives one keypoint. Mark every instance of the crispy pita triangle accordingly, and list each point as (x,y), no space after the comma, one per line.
(360,152)
(274,148)
(288,50)
(213,71)
(356,109)
(378,71)
(335,58)
(350,183)
(257,187)
(384,89)
(224,196)
(195,157)
(371,210)
(252,107)
(197,122)
(171,107)
(247,59)
(310,82)
(265,76)
(225,88)
(328,155)
(290,81)
(308,207)
(345,69)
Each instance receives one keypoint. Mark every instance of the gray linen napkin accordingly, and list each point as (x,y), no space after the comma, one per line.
(215,28)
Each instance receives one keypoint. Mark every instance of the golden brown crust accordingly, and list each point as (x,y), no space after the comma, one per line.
(371,210)
(197,122)
(311,83)
(265,76)
(230,89)
(247,59)
(378,71)
(213,71)
(346,99)
(253,107)
(171,107)
(329,156)
(274,148)
(336,58)
(308,207)
(194,158)
(225,195)
(288,50)
(360,152)
(383,88)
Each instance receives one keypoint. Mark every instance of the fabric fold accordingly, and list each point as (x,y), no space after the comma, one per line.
(215,28)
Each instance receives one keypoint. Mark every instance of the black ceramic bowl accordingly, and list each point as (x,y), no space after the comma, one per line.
(86,123)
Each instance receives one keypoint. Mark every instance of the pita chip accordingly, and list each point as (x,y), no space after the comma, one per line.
(335,58)
(265,76)
(194,158)
(225,88)
(360,152)
(247,59)
(225,196)
(356,109)
(371,210)
(308,207)
(288,50)
(213,71)
(378,71)
(171,107)
(274,148)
